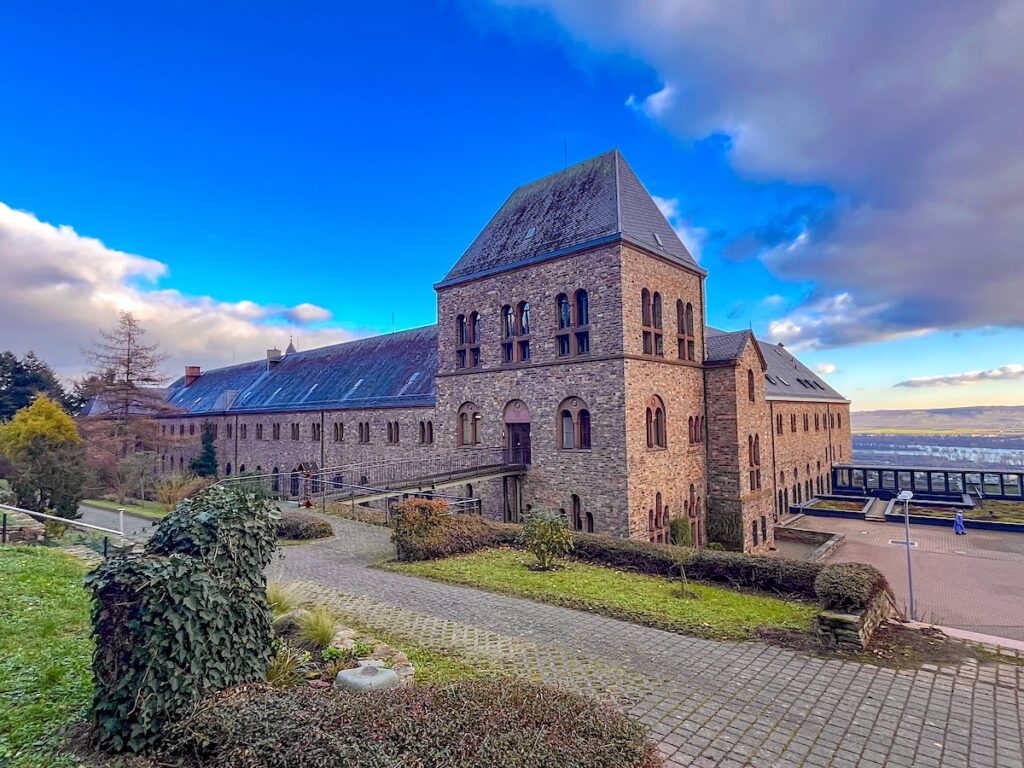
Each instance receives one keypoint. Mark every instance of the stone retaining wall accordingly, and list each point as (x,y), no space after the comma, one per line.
(853,631)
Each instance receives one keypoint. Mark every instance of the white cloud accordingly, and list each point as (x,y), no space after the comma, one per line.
(693,237)
(774,300)
(60,287)
(909,111)
(1002,373)
(825,369)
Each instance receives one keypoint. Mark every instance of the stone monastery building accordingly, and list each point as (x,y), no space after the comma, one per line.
(572,332)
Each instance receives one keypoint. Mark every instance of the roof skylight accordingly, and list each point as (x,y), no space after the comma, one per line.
(530,233)
(657,239)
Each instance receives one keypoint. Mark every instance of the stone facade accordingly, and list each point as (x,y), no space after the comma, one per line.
(656,429)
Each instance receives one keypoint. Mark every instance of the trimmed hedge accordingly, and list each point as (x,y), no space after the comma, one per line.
(772,574)
(478,723)
(302,526)
(423,529)
(849,587)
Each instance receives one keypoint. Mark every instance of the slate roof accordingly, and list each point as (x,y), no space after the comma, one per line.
(785,377)
(596,201)
(391,370)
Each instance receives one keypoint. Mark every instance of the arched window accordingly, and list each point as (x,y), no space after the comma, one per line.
(227,469)
(423,431)
(577,516)
(778,424)
(656,309)
(474,327)
(590,522)
(573,424)
(690,430)
(468,431)
(564,311)
(645,307)
(656,428)
(391,434)
(524,318)
(241,469)
(461,333)
(508,322)
(430,431)
(275,482)
(582,308)
(750,385)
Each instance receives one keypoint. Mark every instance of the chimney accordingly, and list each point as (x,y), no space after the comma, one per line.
(273,358)
(192,372)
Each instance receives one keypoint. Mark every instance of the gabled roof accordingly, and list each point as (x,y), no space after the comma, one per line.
(786,378)
(599,200)
(394,369)
(725,346)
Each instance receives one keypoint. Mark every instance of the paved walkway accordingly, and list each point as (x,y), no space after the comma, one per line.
(973,582)
(707,703)
(135,526)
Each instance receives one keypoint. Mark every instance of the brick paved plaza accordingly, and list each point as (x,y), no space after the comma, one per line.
(973,582)
(707,703)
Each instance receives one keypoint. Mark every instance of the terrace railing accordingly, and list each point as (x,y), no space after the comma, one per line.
(13,518)
(874,480)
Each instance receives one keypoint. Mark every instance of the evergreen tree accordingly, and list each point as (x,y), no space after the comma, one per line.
(205,464)
(21,380)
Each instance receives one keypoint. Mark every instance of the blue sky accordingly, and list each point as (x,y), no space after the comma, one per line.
(272,156)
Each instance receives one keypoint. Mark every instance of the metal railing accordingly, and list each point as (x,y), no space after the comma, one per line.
(6,511)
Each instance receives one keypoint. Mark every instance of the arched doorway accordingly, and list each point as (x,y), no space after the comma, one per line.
(516,418)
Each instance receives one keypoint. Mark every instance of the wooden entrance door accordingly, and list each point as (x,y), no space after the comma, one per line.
(519,443)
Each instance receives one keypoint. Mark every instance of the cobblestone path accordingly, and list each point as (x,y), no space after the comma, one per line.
(707,703)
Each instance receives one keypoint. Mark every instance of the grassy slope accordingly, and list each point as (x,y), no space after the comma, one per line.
(716,613)
(45,654)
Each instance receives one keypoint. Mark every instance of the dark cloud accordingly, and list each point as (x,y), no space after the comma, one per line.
(911,112)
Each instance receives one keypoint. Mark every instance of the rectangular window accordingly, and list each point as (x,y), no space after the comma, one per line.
(276,431)
(583,342)
(460,358)
(508,352)
(474,357)
(563,345)
(659,345)
(753,531)
(648,342)
(524,351)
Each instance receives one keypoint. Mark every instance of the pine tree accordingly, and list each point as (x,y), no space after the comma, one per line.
(205,464)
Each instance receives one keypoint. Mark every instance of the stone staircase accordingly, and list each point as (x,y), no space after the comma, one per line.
(876,511)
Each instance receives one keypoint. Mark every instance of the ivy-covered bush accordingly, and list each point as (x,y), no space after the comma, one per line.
(302,526)
(423,529)
(546,536)
(186,618)
(468,724)
(849,587)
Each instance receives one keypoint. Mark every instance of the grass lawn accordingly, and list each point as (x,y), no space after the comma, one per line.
(1000,511)
(45,654)
(716,612)
(850,506)
(150,509)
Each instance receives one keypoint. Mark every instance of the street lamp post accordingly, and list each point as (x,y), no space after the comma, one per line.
(905,497)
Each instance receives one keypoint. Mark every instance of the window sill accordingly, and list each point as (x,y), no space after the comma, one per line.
(657,448)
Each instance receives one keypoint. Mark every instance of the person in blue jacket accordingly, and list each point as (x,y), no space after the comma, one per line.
(958,524)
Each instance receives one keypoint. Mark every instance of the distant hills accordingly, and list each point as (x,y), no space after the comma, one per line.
(972,420)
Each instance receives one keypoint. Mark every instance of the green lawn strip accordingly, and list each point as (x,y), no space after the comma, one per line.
(716,612)
(45,654)
(150,509)
(849,506)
